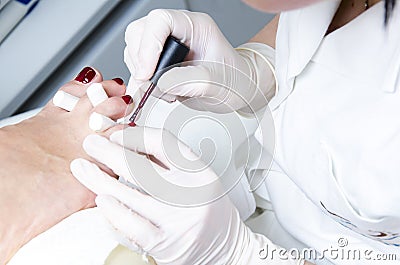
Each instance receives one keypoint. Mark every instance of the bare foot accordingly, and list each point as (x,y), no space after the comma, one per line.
(37,189)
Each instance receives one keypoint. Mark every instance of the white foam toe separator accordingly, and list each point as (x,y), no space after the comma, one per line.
(100,123)
(65,101)
(96,94)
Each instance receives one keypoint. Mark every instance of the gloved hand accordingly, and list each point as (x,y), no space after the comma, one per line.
(222,79)
(211,233)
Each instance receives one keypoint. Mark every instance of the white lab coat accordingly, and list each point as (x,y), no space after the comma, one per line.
(337,120)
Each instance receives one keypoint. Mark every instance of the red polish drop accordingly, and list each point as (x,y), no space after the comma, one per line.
(132,124)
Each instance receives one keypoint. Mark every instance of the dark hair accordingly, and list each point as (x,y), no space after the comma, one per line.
(389,6)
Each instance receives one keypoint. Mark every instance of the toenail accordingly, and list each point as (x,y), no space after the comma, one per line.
(86,75)
(128,99)
(119,81)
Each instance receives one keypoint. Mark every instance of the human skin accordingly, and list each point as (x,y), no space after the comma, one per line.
(277,6)
(345,13)
(37,189)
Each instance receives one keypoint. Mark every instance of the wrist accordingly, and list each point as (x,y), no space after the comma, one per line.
(253,248)
(260,60)
(245,251)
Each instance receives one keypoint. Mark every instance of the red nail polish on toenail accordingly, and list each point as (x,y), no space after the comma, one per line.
(128,99)
(119,81)
(86,75)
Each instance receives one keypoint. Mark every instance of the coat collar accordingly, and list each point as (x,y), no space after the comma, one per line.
(299,35)
(305,37)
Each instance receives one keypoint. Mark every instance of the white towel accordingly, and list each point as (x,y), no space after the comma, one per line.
(84,238)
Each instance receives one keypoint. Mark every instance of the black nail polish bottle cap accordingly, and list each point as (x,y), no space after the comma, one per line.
(174,52)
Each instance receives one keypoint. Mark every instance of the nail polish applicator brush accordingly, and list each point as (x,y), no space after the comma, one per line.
(173,52)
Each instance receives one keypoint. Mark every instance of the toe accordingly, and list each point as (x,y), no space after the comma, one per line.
(78,86)
(88,75)
(115,107)
(100,92)
(113,129)
(114,87)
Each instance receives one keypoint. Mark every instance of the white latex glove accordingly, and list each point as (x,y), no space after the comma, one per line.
(245,73)
(209,234)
